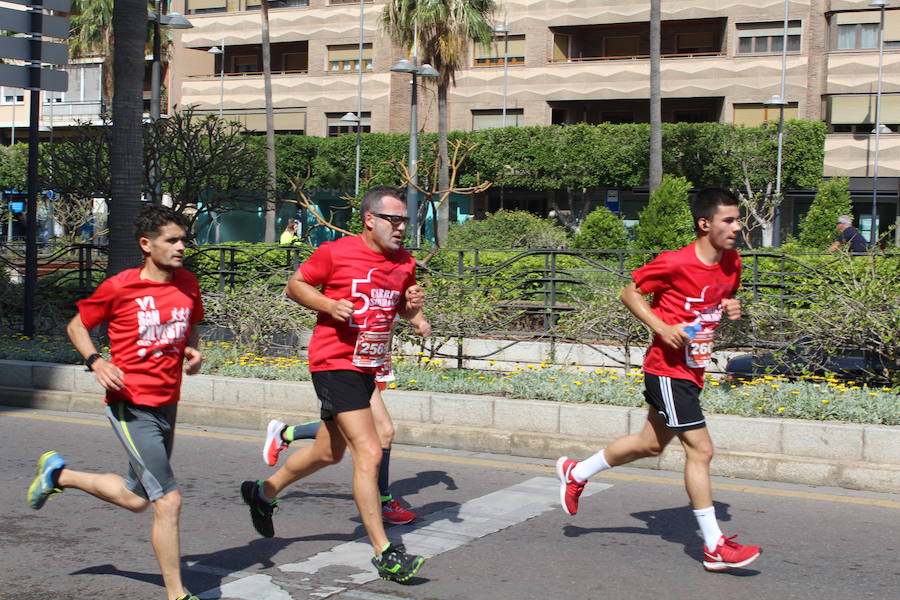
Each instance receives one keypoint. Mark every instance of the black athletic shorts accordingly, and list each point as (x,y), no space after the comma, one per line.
(342,391)
(677,400)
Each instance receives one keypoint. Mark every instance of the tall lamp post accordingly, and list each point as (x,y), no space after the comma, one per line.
(881,4)
(779,101)
(359,81)
(171,20)
(220,50)
(412,192)
(357,120)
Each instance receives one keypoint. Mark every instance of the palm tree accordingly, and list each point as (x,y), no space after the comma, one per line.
(129,25)
(445,28)
(91,32)
(270,125)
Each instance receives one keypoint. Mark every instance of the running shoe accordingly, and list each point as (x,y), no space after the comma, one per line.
(44,485)
(393,512)
(274,444)
(729,555)
(187,596)
(569,489)
(260,510)
(395,564)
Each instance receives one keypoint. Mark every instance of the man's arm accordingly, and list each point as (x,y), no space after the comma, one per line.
(411,310)
(306,295)
(672,335)
(108,375)
(834,246)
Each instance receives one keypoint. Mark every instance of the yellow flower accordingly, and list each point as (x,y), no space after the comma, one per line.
(795,392)
(577,382)
(873,393)
(825,401)
(492,362)
(780,409)
(392,385)
(413,381)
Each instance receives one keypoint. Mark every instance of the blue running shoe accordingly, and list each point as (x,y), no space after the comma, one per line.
(44,485)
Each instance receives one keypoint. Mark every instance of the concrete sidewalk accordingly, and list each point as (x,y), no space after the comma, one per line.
(806,452)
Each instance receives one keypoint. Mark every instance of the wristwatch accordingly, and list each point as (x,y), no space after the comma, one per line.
(90,360)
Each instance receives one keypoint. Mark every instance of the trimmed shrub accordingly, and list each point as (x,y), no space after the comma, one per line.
(507,229)
(601,230)
(817,229)
(665,223)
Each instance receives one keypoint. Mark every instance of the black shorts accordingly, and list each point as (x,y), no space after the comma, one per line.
(342,391)
(677,400)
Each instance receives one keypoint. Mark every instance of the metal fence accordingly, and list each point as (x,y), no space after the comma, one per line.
(532,288)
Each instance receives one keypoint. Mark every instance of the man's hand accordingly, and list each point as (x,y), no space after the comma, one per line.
(341,310)
(108,375)
(422,328)
(415,297)
(193,360)
(732,308)
(673,335)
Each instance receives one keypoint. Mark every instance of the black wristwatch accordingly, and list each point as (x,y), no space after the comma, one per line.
(90,360)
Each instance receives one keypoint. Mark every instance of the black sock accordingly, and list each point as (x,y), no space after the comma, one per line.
(384,477)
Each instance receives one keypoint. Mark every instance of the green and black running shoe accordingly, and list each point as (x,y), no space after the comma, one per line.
(45,484)
(187,596)
(395,564)
(260,510)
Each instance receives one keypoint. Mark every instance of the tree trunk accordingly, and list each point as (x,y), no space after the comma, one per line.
(270,125)
(126,153)
(655,98)
(442,224)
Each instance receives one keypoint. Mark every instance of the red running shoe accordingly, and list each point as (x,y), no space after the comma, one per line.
(729,555)
(393,512)
(274,444)
(569,489)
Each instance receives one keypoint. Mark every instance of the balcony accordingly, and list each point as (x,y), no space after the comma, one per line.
(631,41)
(246,60)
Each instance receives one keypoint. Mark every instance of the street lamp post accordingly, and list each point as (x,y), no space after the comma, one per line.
(504,29)
(412,192)
(359,82)
(357,120)
(171,20)
(880,4)
(220,50)
(779,101)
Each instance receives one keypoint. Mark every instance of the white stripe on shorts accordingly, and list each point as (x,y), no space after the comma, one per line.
(665,390)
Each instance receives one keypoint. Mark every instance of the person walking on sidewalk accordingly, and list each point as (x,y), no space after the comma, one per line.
(152,312)
(358,285)
(279,435)
(691,290)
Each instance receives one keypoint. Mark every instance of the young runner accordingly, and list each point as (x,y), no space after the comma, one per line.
(692,289)
(151,312)
(358,285)
(279,435)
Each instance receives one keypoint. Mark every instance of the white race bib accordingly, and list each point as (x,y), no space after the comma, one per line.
(372,348)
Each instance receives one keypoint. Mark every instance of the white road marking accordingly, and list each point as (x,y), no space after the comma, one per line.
(436,533)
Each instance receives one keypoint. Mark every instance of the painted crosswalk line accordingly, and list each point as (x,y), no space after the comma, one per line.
(349,564)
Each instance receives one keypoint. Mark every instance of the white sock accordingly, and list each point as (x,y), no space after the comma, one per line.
(709,527)
(590,466)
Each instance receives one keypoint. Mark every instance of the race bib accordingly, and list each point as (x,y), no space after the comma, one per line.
(372,348)
(699,349)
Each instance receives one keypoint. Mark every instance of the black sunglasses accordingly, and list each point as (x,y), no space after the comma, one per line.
(393,219)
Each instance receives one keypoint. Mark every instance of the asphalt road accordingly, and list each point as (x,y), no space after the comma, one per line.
(491,525)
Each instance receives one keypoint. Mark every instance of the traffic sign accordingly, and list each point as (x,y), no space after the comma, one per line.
(19,48)
(59,5)
(20,21)
(19,76)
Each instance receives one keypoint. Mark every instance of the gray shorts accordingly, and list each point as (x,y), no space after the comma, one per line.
(147,433)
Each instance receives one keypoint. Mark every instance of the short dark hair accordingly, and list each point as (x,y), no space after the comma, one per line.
(371,201)
(153,218)
(707,201)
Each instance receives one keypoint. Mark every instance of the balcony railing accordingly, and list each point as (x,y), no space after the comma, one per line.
(634,57)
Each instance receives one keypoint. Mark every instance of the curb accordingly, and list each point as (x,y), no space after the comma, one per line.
(818,453)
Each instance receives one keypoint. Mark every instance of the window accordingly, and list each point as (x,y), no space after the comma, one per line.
(295,62)
(255,4)
(337,127)
(489,119)
(767,38)
(245,63)
(511,47)
(856,113)
(84,85)
(198,7)
(625,45)
(693,43)
(752,115)
(10,95)
(344,58)
(859,30)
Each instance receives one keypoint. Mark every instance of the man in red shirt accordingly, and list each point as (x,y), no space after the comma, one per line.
(358,285)
(691,290)
(152,312)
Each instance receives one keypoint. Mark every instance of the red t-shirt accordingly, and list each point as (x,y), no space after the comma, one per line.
(149,323)
(375,283)
(687,291)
